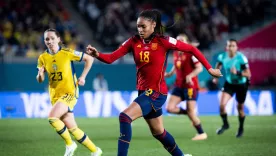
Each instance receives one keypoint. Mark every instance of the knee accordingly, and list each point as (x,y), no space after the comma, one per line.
(52,120)
(123,117)
(159,133)
(170,109)
(240,107)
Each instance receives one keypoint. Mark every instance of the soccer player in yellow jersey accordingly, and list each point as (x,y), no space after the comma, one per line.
(63,89)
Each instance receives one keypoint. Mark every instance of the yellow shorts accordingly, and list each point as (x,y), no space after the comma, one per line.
(68,99)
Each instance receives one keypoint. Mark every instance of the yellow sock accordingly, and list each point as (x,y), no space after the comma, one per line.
(61,129)
(82,138)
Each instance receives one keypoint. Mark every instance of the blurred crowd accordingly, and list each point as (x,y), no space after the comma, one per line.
(23,22)
(205,21)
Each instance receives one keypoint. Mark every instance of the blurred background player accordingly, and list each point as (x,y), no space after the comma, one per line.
(149,50)
(186,67)
(100,83)
(57,61)
(237,74)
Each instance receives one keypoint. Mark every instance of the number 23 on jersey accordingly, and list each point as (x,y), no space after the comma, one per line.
(144,56)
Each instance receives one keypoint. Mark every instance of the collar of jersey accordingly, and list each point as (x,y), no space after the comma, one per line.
(48,51)
(148,40)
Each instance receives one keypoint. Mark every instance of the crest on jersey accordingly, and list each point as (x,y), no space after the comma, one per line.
(154,46)
(178,64)
(139,46)
(55,67)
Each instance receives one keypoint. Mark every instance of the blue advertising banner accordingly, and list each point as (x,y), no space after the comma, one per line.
(109,104)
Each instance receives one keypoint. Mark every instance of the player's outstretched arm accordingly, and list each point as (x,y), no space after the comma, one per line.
(169,74)
(87,66)
(198,69)
(107,58)
(40,75)
(218,66)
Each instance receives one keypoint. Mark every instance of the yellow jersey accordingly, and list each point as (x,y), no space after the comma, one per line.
(61,73)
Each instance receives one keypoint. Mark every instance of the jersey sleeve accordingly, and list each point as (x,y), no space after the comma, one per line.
(172,43)
(219,59)
(75,55)
(244,62)
(115,55)
(40,62)
(195,60)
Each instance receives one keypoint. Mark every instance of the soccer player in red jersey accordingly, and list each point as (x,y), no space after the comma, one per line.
(149,50)
(186,67)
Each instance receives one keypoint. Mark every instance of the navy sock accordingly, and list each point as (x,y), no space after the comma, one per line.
(182,111)
(241,120)
(169,144)
(224,119)
(199,129)
(125,134)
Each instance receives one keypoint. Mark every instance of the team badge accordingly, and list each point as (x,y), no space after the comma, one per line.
(178,64)
(55,67)
(154,46)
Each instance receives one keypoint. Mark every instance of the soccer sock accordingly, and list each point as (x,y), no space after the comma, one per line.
(125,134)
(182,111)
(61,129)
(199,129)
(169,144)
(82,138)
(241,120)
(224,119)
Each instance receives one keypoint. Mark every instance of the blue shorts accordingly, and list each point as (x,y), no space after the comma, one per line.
(186,93)
(151,103)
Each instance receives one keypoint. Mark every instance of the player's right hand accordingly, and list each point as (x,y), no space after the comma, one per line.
(92,51)
(215,72)
(41,70)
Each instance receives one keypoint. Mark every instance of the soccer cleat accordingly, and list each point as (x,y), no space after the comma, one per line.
(239,133)
(70,149)
(187,155)
(99,152)
(222,129)
(202,136)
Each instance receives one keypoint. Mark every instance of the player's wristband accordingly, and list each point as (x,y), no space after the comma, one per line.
(239,73)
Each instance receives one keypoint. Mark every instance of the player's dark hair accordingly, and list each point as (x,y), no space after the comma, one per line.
(155,16)
(57,33)
(53,30)
(233,40)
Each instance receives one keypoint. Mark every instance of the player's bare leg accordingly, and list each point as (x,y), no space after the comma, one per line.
(225,97)
(57,111)
(131,113)
(158,131)
(191,112)
(240,108)
(172,105)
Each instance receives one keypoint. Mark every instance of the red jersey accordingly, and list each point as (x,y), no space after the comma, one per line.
(184,64)
(150,59)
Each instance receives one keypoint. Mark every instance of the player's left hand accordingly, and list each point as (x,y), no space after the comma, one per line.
(233,70)
(81,81)
(189,80)
(215,72)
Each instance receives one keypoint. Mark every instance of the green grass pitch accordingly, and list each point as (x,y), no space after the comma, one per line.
(35,137)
